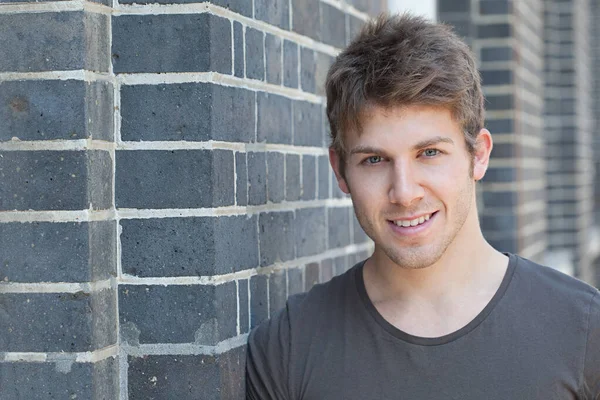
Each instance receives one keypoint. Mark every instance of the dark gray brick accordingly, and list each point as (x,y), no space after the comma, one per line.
(500,199)
(275,12)
(255,48)
(497,54)
(339,227)
(99,109)
(210,377)
(274,118)
(43,180)
(493,31)
(323,62)
(496,77)
(307,70)
(244,312)
(501,175)
(259,300)
(504,245)
(333,26)
(327,270)
(309,177)
(311,276)
(502,150)
(354,27)
(276,237)
(324,172)
(243,7)
(198,246)
(60,380)
(189,313)
(340,264)
(500,125)
(238,48)
(454,6)
(100,179)
(57,252)
(106,378)
(295,281)
(500,223)
(257,178)
(307,124)
(97,47)
(493,7)
(304,20)
(51,322)
(273,54)
(499,102)
(277,290)
(42,110)
(275,177)
(187,111)
(292,177)
(42,41)
(171,43)
(171,179)
(166,112)
(361,5)
(241,183)
(311,231)
(290,64)
(223,178)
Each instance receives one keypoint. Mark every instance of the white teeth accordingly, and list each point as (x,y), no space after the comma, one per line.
(414,222)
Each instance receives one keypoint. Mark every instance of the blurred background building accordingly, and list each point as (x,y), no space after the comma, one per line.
(164,181)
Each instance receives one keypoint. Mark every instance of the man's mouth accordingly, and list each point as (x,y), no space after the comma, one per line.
(405,223)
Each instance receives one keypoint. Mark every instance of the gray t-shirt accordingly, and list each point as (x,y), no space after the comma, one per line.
(538,338)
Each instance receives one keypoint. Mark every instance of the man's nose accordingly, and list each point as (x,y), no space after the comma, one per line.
(406,188)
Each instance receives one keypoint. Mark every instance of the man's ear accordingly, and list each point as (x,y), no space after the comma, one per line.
(483,149)
(335,160)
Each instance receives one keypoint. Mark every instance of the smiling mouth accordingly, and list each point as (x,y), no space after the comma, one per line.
(408,223)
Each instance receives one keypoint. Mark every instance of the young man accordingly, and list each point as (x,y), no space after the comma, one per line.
(435,312)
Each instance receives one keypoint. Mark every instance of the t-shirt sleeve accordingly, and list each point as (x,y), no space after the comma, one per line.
(267,359)
(592,354)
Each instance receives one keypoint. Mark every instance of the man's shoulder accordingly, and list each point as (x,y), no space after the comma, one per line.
(552,284)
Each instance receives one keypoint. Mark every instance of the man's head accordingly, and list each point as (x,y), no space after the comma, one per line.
(400,61)
(406,113)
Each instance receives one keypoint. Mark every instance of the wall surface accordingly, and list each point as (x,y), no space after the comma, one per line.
(535,59)
(165,186)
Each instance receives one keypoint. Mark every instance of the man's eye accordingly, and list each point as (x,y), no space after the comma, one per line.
(431,152)
(373,160)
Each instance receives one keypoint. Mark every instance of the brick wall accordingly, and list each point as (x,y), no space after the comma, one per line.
(165,186)
(568,131)
(535,61)
(506,37)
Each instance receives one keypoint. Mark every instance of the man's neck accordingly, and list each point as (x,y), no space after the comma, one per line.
(442,297)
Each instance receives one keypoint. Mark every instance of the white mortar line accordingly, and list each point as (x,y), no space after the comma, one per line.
(131,213)
(158,349)
(216,78)
(79,357)
(56,145)
(347,8)
(75,75)
(237,298)
(72,5)
(56,216)
(245,274)
(51,287)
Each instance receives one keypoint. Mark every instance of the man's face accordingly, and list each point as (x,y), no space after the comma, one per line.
(408,174)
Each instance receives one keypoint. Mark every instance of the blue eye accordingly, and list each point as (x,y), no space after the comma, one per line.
(373,160)
(431,152)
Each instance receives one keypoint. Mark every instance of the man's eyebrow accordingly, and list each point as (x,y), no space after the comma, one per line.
(432,142)
(420,145)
